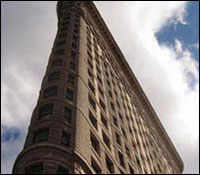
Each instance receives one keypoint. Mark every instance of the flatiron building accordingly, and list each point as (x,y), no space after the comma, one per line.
(92,116)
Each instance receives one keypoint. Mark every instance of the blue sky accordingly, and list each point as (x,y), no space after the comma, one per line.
(171,84)
(188,34)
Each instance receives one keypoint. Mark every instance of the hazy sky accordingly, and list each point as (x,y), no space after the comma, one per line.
(160,41)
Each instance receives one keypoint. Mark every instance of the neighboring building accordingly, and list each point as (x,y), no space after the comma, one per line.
(92,116)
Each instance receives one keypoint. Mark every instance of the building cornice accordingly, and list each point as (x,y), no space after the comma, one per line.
(134,83)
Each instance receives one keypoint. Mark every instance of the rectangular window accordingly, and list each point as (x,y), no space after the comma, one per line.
(101,91)
(116,93)
(59,52)
(118,105)
(92,103)
(104,121)
(51,91)
(62,170)
(124,133)
(76,26)
(74,45)
(112,106)
(95,143)
(91,87)
(95,167)
(110,165)
(121,118)
(73,54)
(93,120)
(70,94)
(90,64)
(102,104)
(90,75)
(115,121)
(63,35)
(61,43)
(121,159)
(106,140)
(68,113)
(89,47)
(65,140)
(41,136)
(99,71)
(108,82)
(100,81)
(128,152)
(66,23)
(75,31)
(53,77)
(131,170)
(118,139)
(130,130)
(46,110)
(138,161)
(56,63)
(75,38)
(71,79)
(63,29)
(36,169)
(90,56)
(110,94)
(72,65)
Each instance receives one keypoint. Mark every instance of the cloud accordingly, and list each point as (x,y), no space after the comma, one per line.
(168,74)
(178,46)
(11,144)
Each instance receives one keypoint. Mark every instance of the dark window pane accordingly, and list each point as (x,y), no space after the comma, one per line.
(95,167)
(37,169)
(106,140)
(73,54)
(68,114)
(104,121)
(92,102)
(59,52)
(118,139)
(95,144)
(55,76)
(63,35)
(65,140)
(46,110)
(110,165)
(61,43)
(93,119)
(115,121)
(41,136)
(91,87)
(102,105)
(72,65)
(121,159)
(57,62)
(69,94)
(49,92)
(74,45)
(71,79)
(62,170)
(131,170)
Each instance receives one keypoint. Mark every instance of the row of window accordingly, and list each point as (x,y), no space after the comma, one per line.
(43,135)
(39,169)
(52,91)
(47,111)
